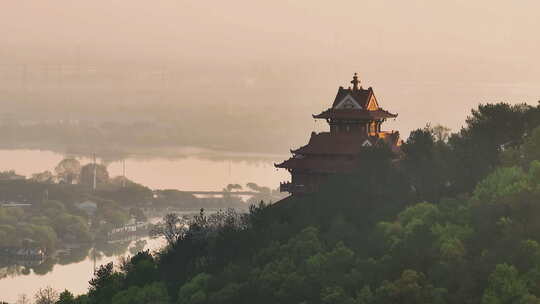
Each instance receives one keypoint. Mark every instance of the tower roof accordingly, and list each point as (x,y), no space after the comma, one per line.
(345,143)
(360,95)
(355,114)
(355,103)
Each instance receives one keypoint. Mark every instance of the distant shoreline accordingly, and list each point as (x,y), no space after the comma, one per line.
(111,153)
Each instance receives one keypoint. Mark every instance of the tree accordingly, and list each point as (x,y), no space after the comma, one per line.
(524,154)
(490,129)
(172,228)
(257,188)
(66,297)
(335,295)
(87,174)
(231,187)
(428,163)
(10,175)
(440,132)
(502,183)
(46,295)
(411,288)
(23,299)
(506,287)
(68,170)
(45,177)
(154,293)
(140,269)
(105,284)
(531,147)
(195,291)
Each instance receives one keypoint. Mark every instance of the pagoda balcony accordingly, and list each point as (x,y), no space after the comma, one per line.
(291,188)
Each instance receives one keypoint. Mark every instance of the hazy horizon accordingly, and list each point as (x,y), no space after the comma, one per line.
(268,62)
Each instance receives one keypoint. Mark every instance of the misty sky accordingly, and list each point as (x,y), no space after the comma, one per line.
(427,60)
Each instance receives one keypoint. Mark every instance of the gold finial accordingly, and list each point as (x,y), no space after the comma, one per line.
(355,82)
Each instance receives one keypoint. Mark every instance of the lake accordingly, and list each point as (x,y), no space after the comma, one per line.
(74,277)
(195,170)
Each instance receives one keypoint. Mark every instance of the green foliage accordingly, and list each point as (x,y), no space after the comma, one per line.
(429,163)
(140,270)
(490,129)
(66,297)
(524,154)
(447,224)
(105,284)
(531,147)
(335,295)
(411,288)
(193,292)
(154,293)
(506,286)
(502,183)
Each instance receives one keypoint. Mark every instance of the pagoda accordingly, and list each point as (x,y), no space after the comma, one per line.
(355,120)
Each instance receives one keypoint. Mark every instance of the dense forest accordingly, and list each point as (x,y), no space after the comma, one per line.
(455,220)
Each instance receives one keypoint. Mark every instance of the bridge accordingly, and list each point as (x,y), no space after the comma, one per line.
(221,192)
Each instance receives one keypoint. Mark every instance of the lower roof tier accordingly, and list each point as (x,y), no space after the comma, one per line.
(327,143)
(312,164)
(355,114)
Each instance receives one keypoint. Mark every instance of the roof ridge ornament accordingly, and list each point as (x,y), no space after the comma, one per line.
(355,82)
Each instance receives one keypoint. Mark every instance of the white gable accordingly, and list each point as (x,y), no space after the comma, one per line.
(366,143)
(348,103)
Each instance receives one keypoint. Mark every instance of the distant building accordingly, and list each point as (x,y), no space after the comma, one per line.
(22,253)
(355,120)
(11,176)
(14,204)
(87,206)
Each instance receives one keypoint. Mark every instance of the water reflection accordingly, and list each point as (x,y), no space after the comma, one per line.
(67,269)
(95,253)
(194,172)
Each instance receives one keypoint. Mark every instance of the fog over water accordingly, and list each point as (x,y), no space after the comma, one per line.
(190,173)
(247,75)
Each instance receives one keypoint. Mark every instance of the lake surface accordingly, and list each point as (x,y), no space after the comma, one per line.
(193,171)
(74,277)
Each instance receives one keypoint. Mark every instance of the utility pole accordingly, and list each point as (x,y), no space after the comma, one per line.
(24,82)
(123,173)
(95,172)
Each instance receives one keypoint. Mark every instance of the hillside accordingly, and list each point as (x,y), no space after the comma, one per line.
(454,221)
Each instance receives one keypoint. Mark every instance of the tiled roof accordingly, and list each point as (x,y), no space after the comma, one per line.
(344,143)
(326,143)
(355,114)
(319,165)
(361,96)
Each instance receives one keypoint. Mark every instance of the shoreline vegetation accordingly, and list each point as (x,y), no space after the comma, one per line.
(112,153)
(146,138)
(59,211)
